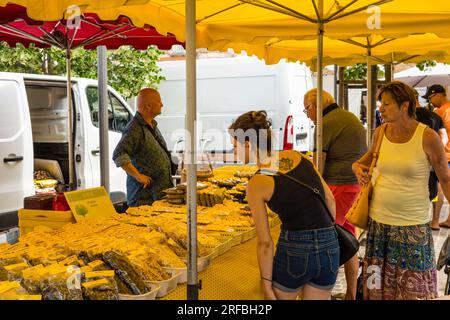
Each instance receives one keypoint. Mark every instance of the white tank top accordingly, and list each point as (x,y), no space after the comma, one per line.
(400,194)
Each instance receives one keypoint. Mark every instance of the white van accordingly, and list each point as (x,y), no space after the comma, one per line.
(33,134)
(228,87)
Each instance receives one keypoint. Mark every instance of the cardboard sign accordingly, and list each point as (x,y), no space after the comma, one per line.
(90,203)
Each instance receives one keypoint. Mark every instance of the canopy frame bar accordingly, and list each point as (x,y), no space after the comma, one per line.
(97,35)
(16,32)
(279,10)
(368,45)
(52,38)
(107,35)
(316,9)
(69,44)
(408,58)
(304,16)
(383,41)
(56,26)
(219,12)
(330,17)
(343,15)
(353,42)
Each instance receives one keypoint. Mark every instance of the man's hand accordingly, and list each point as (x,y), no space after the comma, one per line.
(145,180)
(141,178)
(361,172)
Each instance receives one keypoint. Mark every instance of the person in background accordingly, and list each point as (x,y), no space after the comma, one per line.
(399,262)
(143,154)
(344,142)
(437,96)
(307,254)
(378,119)
(433,121)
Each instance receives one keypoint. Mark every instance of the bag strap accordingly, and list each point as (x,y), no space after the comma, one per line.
(314,190)
(376,153)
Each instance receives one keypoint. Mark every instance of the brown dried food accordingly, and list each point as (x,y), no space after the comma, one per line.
(174,191)
(100,288)
(175,196)
(175,247)
(33,286)
(176,201)
(9,261)
(125,272)
(101,292)
(83,256)
(3,274)
(56,289)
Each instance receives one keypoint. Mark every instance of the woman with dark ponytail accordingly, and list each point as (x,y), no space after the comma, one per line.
(307,253)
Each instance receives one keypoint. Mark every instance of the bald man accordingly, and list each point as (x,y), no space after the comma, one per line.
(344,142)
(142,153)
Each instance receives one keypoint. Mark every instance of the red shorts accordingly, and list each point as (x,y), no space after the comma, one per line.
(344,196)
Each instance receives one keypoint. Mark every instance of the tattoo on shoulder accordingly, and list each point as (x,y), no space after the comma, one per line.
(285,164)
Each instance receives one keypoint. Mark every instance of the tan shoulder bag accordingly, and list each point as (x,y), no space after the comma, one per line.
(358,214)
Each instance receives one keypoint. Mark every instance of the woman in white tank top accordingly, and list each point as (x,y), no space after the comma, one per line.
(399,262)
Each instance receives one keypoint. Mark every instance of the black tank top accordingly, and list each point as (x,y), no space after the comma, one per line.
(298,207)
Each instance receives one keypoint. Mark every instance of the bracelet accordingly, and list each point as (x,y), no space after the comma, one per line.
(262,278)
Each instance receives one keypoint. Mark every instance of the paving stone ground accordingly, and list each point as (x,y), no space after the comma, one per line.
(438,237)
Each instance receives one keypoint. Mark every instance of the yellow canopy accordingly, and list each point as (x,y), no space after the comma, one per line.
(414,48)
(285,28)
(259,21)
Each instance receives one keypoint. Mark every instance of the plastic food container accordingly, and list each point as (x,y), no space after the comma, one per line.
(151,295)
(183,273)
(247,233)
(225,247)
(212,252)
(167,286)
(202,262)
(234,237)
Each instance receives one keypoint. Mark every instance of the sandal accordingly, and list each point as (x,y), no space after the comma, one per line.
(444,225)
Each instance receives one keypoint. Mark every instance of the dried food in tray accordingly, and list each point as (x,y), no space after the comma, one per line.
(101,289)
(151,295)
(166,286)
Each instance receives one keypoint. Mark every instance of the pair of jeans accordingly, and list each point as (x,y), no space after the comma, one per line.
(306,257)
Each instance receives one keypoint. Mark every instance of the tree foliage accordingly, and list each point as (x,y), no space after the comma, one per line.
(129,69)
(356,72)
(359,70)
(426,64)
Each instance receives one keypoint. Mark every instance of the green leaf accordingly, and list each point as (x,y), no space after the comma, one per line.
(81,210)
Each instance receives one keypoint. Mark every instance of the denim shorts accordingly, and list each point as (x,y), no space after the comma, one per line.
(306,257)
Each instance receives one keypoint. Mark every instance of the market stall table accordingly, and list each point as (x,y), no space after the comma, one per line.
(232,276)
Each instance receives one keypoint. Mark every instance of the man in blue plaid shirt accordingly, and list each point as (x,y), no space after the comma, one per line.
(142,153)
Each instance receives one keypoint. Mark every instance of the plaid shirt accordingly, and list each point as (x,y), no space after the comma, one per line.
(146,149)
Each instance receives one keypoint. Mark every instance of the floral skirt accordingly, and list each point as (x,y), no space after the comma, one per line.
(399,263)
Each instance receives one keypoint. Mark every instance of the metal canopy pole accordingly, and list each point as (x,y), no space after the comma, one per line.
(319,108)
(72,184)
(369,98)
(103,116)
(389,70)
(191,149)
(335,87)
